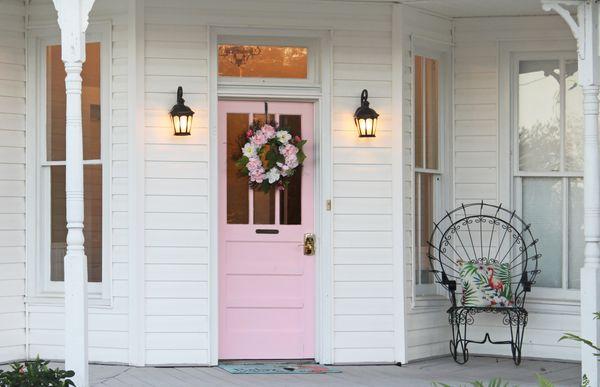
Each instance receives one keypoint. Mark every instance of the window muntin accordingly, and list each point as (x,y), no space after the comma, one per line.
(53,163)
(548,163)
(427,177)
(262,61)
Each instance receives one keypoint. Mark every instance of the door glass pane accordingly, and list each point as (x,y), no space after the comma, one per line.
(92,227)
(290,200)
(576,240)
(542,207)
(573,118)
(237,185)
(56,103)
(539,115)
(419,111)
(264,207)
(432,116)
(263,61)
(424,213)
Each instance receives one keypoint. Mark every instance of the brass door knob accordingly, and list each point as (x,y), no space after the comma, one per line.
(309,244)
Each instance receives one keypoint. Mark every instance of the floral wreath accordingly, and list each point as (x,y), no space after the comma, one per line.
(270,156)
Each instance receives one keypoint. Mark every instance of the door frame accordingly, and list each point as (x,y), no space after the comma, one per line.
(318,93)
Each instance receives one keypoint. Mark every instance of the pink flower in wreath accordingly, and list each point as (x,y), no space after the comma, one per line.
(268,131)
(291,161)
(257,176)
(249,133)
(297,139)
(288,150)
(259,139)
(254,164)
(285,169)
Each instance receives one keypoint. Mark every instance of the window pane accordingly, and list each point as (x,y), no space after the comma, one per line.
(424,213)
(263,61)
(576,240)
(542,207)
(573,119)
(419,133)
(539,115)
(92,228)
(290,203)
(56,103)
(237,185)
(432,116)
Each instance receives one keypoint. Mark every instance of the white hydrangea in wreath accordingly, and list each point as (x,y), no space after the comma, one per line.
(270,156)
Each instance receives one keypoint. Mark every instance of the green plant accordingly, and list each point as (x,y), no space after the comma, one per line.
(574,337)
(585,382)
(35,373)
(542,382)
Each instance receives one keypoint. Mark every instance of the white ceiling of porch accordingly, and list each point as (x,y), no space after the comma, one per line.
(476,8)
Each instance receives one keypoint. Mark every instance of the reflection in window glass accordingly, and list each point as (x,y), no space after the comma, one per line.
(539,115)
(419,111)
(573,118)
(424,213)
(57,103)
(576,240)
(545,216)
(262,61)
(92,227)
(432,115)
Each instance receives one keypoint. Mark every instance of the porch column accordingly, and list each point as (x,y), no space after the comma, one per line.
(585,30)
(72,19)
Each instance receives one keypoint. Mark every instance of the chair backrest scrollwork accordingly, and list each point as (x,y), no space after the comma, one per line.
(482,232)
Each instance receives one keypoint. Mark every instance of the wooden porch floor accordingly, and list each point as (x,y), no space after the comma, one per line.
(421,373)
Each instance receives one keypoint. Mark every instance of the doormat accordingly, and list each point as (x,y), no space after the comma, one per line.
(277,368)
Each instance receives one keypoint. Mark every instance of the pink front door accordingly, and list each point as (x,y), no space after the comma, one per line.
(266,283)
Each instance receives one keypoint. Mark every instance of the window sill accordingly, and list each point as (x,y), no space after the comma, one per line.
(433,301)
(94,300)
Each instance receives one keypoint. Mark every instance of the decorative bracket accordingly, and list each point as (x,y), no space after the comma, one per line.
(576,29)
(73,22)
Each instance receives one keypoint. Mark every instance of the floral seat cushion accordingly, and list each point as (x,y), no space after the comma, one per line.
(486,283)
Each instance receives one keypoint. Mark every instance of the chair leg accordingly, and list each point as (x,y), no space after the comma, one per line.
(458,344)
(517,322)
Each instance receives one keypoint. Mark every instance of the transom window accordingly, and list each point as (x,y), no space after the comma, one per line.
(261,61)
(548,162)
(428,171)
(53,164)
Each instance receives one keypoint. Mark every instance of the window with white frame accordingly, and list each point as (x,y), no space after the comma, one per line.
(548,162)
(257,60)
(428,164)
(52,163)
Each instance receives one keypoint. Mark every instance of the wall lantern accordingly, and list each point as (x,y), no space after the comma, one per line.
(365,118)
(181,116)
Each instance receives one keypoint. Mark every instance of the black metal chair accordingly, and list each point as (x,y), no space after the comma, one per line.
(476,238)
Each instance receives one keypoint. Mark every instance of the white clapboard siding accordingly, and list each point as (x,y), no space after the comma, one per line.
(108,324)
(12,176)
(476,132)
(426,325)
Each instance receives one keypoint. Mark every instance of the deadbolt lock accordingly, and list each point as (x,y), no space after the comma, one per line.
(309,244)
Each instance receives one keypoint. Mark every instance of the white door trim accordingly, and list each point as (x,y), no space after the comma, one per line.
(321,96)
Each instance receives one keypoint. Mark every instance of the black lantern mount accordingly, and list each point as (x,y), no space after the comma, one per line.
(365,118)
(181,116)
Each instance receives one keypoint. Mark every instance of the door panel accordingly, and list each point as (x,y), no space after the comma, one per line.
(266,283)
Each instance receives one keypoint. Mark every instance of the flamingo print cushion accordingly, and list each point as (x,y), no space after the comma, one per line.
(486,283)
